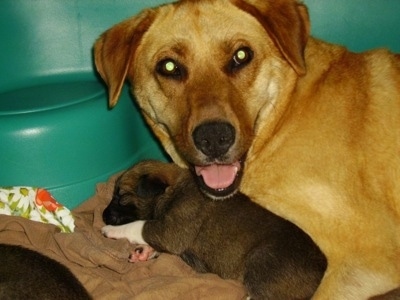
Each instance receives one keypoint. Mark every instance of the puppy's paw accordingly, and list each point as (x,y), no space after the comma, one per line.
(131,231)
(112,232)
(142,253)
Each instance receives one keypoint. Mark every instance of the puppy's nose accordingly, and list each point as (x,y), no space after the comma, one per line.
(214,138)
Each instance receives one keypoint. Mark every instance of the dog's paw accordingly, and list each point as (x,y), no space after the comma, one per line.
(131,231)
(142,253)
(112,232)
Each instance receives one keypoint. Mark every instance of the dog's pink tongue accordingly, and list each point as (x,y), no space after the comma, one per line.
(218,176)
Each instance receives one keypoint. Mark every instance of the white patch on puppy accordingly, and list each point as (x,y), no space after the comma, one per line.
(131,231)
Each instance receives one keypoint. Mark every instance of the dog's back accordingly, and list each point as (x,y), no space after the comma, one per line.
(239,239)
(27,274)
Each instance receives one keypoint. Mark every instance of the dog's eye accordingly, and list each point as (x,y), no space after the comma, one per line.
(170,68)
(241,58)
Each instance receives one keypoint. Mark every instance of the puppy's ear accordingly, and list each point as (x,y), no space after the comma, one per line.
(156,177)
(149,186)
(114,50)
(287,23)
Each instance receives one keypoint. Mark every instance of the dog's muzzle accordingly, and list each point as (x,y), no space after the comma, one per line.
(217,179)
(214,139)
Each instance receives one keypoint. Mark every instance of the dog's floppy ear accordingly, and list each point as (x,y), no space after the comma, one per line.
(156,178)
(287,23)
(115,48)
(149,186)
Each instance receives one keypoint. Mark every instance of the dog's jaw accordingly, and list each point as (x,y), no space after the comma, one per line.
(219,181)
(217,176)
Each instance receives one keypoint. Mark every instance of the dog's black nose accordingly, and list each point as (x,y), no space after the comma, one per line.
(214,138)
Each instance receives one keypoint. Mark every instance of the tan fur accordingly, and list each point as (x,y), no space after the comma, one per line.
(320,126)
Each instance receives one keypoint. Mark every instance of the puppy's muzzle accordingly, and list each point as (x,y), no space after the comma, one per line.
(214,139)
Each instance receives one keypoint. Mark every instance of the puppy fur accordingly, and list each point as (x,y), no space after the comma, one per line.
(27,274)
(234,238)
(305,128)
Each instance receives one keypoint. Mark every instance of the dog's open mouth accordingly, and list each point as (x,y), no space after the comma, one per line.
(219,180)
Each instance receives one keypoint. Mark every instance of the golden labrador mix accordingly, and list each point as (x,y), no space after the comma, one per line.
(237,91)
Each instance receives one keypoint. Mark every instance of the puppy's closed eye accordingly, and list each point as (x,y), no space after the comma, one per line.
(149,186)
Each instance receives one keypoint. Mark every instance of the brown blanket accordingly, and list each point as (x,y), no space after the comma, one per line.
(102,265)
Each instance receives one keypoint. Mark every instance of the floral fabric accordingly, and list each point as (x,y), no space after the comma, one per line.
(36,204)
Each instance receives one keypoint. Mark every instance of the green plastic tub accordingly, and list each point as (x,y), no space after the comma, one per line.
(56,131)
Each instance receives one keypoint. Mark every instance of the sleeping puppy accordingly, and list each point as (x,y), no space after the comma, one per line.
(27,274)
(235,238)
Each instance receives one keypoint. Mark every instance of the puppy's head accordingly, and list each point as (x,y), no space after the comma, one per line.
(138,190)
(207,75)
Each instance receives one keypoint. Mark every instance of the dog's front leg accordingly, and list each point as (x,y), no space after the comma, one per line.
(131,231)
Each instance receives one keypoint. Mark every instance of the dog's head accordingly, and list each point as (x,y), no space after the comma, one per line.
(207,75)
(137,191)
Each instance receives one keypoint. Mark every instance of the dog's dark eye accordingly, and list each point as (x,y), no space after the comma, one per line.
(241,58)
(170,68)
(124,198)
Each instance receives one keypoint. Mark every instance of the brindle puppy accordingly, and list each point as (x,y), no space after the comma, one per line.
(235,238)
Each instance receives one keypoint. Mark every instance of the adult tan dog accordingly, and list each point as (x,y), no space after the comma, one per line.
(240,93)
